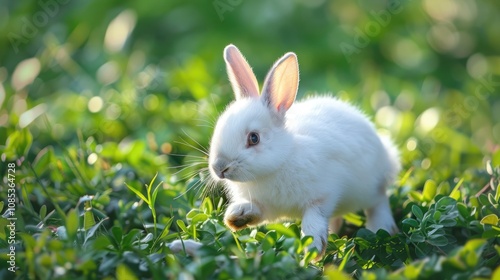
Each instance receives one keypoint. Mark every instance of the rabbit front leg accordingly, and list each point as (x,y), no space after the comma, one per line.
(242,214)
(315,224)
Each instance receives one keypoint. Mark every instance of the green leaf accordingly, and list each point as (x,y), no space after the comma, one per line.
(492,199)
(207,206)
(43,212)
(193,212)
(463,210)
(332,272)
(117,234)
(417,212)
(43,160)
(445,201)
(435,228)
(438,240)
(269,241)
(90,232)
(415,195)
(123,272)
(496,273)
(166,228)
(130,237)
(280,228)
(411,222)
(138,193)
(417,237)
(483,199)
(155,193)
(269,257)
(347,257)
(366,234)
(472,250)
(455,193)
(149,188)
(412,271)
(448,222)
(497,193)
(430,189)
(471,258)
(491,219)
(101,242)
(88,215)
(18,144)
(405,177)
(437,216)
(354,218)
(182,226)
(72,223)
(475,245)
(199,218)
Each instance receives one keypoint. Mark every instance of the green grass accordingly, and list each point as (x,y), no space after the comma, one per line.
(105,220)
(99,138)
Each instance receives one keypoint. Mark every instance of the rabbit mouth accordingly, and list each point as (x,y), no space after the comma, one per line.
(222,174)
(232,171)
(223,169)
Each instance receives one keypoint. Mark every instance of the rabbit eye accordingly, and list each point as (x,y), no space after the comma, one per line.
(253,139)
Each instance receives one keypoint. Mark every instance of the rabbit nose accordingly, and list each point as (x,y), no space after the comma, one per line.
(220,168)
(222,176)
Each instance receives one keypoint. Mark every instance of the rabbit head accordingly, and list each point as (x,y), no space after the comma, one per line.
(250,140)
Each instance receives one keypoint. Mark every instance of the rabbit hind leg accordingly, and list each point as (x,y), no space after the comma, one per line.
(380,217)
(335,224)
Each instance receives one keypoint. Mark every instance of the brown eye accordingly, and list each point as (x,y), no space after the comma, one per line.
(253,139)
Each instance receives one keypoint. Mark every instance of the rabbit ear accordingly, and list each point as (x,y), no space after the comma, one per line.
(240,74)
(282,82)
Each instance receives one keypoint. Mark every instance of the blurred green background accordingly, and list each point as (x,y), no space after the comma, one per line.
(122,75)
(101,93)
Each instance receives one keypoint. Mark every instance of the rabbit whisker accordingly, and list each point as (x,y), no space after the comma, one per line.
(194,140)
(185,143)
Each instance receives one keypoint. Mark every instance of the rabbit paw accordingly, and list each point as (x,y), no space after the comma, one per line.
(241,215)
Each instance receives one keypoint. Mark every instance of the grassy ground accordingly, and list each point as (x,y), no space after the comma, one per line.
(76,219)
(105,106)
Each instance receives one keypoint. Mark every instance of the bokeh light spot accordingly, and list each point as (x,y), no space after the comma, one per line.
(108,73)
(426,163)
(428,119)
(411,144)
(92,158)
(95,104)
(25,73)
(477,66)
(118,30)
(387,116)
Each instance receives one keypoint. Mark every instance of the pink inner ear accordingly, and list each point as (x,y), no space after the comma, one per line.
(287,91)
(240,74)
(280,87)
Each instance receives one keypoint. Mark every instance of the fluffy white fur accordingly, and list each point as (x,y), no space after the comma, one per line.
(316,160)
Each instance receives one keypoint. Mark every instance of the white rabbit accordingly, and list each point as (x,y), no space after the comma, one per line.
(313,160)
